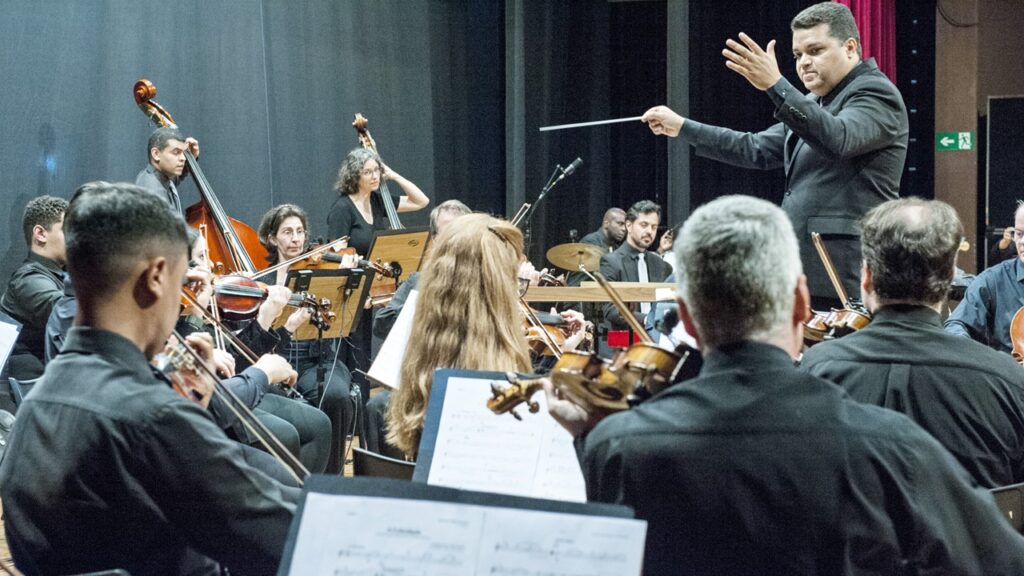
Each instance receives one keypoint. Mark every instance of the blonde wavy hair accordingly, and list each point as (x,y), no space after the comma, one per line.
(467,316)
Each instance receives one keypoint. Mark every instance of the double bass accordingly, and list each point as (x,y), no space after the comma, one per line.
(233,245)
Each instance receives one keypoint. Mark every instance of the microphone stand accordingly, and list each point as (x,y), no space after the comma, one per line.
(552,181)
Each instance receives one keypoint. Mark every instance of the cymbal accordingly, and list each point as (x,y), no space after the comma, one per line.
(570,256)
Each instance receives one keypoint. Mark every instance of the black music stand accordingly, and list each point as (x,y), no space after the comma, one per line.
(347,290)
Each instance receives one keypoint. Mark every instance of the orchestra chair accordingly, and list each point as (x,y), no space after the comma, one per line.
(19,388)
(1010,500)
(366,463)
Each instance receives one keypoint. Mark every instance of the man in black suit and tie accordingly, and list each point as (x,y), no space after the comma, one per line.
(631,262)
(842,147)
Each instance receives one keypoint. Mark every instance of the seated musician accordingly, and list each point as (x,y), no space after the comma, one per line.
(359,213)
(756,468)
(633,262)
(467,316)
(612,231)
(969,397)
(37,284)
(303,429)
(107,466)
(166,154)
(249,384)
(609,237)
(384,319)
(283,232)
(993,298)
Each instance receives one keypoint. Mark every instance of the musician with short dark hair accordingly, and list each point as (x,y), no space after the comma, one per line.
(107,466)
(37,284)
(166,153)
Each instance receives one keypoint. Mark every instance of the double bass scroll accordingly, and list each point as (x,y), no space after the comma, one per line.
(367,142)
(232,243)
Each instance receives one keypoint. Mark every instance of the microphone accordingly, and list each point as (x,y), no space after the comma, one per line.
(572,167)
(574,235)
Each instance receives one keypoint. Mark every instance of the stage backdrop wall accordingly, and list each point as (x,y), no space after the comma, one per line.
(268,87)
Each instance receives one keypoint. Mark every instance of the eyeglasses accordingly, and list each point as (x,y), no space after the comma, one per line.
(524,285)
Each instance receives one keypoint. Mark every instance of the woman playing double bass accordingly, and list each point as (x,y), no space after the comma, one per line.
(359,213)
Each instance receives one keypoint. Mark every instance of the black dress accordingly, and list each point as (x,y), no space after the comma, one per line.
(344,219)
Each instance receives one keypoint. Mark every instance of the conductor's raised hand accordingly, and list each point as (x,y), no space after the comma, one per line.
(747,59)
(662,120)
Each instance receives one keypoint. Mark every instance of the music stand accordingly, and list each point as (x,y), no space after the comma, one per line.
(402,249)
(347,290)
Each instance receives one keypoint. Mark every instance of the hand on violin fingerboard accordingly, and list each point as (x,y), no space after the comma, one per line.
(576,419)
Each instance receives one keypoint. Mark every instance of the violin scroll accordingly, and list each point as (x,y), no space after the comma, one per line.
(519,391)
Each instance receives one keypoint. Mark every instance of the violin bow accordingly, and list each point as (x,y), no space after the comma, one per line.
(819,244)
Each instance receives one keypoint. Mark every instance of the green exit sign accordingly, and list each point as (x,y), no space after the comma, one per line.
(952,141)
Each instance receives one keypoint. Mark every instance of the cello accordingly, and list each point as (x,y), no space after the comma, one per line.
(232,243)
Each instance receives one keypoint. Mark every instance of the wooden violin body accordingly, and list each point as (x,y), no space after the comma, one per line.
(1017,336)
(834,324)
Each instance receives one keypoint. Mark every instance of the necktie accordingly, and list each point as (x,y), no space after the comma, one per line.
(641,269)
(172,194)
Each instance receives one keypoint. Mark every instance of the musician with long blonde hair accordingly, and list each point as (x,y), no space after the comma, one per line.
(467,316)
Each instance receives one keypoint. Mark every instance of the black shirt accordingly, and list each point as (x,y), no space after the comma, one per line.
(30,296)
(757,468)
(969,397)
(344,219)
(108,467)
(988,306)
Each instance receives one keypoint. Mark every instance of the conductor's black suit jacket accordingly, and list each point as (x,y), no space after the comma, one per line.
(843,154)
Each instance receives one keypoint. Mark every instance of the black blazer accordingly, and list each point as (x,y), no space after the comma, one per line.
(621,266)
(843,155)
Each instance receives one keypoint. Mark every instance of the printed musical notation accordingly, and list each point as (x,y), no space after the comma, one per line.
(478,450)
(348,535)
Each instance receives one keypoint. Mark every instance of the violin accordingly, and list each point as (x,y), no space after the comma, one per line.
(1017,336)
(186,378)
(181,363)
(836,323)
(634,375)
(239,298)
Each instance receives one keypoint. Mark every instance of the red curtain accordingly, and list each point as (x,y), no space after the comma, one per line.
(876,20)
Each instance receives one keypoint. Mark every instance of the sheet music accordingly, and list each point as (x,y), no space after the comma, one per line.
(346,535)
(387,367)
(9,329)
(479,450)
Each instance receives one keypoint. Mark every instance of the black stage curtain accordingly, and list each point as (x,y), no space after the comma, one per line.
(721,97)
(269,87)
